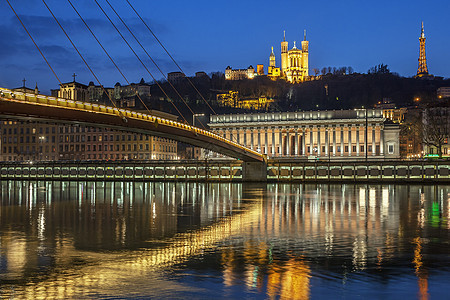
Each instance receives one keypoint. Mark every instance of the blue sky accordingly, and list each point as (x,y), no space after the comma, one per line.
(210,35)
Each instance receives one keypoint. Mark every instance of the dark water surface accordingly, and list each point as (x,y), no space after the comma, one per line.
(192,240)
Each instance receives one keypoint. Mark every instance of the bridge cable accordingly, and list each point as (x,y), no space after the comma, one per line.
(42,54)
(106,52)
(171,57)
(162,46)
(153,61)
(137,56)
(85,62)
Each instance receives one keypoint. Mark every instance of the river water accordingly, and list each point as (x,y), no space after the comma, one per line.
(194,240)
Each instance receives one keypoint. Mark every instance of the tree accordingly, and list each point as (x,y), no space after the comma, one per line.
(379,69)
(436,127)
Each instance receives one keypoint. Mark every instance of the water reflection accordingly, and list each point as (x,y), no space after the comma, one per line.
(97,239)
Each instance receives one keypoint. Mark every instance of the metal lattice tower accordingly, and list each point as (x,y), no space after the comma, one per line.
(422,70)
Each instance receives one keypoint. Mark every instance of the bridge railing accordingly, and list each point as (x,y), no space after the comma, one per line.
(50,101)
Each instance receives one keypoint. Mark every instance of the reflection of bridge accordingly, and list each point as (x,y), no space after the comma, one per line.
(24,105)
(113,270)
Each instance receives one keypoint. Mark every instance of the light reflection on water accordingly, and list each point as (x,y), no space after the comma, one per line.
(124,239)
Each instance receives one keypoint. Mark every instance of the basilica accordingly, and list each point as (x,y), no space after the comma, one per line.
(294,65)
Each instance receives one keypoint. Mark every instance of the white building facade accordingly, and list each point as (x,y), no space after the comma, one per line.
(342,134)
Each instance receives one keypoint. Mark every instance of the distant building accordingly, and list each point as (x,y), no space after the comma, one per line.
(123,96)
(436,131)
(313,134)
(443,92)
(294,65)
(239,74)
(201,74)
(72,90)
(175,77)
(33,141)
(260,70)
(227,99)
(390,111)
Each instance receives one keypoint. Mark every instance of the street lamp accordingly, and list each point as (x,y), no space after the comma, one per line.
(196,115)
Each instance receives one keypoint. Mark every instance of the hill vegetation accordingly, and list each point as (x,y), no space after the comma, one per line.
(334,90)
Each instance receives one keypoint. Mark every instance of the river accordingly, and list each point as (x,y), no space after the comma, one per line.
(223,240)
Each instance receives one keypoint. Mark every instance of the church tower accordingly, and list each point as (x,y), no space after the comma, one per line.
(422,70)
(284,55)
(272,59)
(305,66)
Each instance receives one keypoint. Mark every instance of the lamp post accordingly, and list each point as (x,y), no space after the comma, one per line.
(196,115)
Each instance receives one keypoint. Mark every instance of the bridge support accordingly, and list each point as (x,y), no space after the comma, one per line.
(254,171)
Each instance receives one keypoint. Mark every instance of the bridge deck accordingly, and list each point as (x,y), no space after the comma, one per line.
(26,106)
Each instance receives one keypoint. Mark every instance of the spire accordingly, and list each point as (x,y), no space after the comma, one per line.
(272,50)
(294,46)
(304,35)
(423,33)
(284,35)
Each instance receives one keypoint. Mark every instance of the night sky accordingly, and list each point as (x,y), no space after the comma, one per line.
(210,35)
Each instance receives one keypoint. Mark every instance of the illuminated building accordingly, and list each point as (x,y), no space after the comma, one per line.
(33,141)
(294,62)
(231,99)
(273,72)
(72,90)
(314,134)
(239,74)
(260,70)
(294,65)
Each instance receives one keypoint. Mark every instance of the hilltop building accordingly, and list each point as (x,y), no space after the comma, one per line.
(239,74)
(294,65)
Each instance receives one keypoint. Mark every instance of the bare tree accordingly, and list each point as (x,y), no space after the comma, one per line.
(436,127)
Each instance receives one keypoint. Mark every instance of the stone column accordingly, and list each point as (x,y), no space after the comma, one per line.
(273,141)
(327,144)
(259,140)
(350,140)
(373,140)
(311,140)
(245,137)
(319,150)
(287,142)
(251,138)
(280,137)
(266,141)
(342,140)
(334,141)
(296,142)
(303,141)
(357,140)
(381,140)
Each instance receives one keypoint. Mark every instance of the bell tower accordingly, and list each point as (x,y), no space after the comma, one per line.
(284,55)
